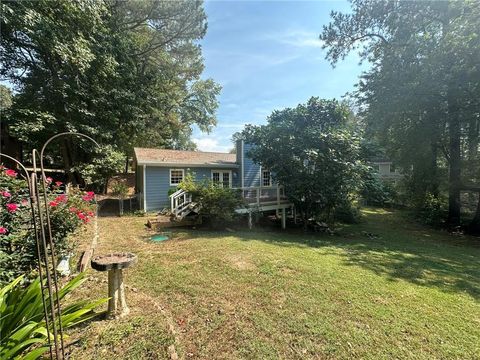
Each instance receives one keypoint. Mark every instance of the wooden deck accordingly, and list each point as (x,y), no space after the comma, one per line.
(264,199)
(257,199)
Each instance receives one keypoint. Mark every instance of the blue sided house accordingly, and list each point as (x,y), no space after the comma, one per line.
(159,171)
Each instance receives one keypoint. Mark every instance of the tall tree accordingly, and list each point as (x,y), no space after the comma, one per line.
(126,73)
(422,90)
(313,151)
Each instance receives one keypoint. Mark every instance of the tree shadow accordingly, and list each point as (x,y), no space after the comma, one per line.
(389,246)
(450,271)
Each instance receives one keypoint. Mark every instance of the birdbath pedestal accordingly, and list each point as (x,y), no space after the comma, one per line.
(114,263)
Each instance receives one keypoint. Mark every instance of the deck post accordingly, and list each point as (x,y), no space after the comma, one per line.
(278,194)
(284,218)
(250,223)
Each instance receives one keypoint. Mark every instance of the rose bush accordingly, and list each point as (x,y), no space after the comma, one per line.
(17,236)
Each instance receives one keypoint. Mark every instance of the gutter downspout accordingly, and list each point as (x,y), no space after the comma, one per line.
(145,188)
(242,164)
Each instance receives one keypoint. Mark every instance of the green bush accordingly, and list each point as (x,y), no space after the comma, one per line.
(106,162)
(120,189)
(347,213)
(17,236)
(376,192)
(171,191)
(434,210)
(24,332)
(217,204)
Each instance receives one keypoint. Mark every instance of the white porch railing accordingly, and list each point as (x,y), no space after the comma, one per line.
(179,201)
(258,195)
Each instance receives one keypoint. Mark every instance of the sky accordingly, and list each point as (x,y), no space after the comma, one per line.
(267,56)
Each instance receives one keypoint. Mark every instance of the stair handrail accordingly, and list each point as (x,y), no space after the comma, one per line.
(177,206)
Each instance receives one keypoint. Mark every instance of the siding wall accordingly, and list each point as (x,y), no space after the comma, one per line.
(158,183)
(251,171)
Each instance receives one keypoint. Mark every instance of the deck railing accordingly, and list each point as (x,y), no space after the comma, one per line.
(179,200)
(253,196)
(258,195)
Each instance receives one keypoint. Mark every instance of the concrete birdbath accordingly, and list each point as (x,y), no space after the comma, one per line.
(114,263)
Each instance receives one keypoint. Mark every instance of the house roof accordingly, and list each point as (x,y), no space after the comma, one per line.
(164,157)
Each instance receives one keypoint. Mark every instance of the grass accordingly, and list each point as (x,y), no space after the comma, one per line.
(382,289)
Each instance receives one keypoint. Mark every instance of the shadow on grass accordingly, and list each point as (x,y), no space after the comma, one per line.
(389,246)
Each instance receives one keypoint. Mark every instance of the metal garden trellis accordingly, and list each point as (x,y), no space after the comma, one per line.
(45,248)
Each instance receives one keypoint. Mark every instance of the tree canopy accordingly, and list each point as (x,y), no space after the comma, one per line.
(313,151)
(125,73)
(420,96)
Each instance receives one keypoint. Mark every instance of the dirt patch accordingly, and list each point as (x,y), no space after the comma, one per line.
(240,262)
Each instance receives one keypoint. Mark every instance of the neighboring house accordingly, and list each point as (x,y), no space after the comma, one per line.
(159,171)
(386,170)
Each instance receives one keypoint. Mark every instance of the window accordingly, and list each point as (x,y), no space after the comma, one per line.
(176,176)
(392,168)
(222,177)
(266,178)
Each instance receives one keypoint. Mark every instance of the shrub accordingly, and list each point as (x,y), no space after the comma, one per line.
(22,318)
(376,192)
(17,236)
(434,210)
(106,162)
(120,190)
(217,204)
(171,191)
(347,213)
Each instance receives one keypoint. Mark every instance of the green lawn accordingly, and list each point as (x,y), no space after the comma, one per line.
(409,292)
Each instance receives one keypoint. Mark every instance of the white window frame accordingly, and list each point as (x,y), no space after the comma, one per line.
(221,172)
(183,176)
(269,180)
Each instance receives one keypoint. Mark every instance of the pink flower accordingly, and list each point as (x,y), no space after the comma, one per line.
(6,194)
(73,209)
(81,216)
(3,230)
(58,183)
(24,202)
(53,203)
(91,213)
(11,173)
(89,195)
(49,180)
(12,208)
(61,198)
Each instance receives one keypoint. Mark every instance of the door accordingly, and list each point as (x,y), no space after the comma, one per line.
(222,177)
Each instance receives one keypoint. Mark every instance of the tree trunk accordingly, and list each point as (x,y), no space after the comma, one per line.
(105,186)
(472,154)
(126,164)
(304,220)
(454,162)
(474,226)
(434,185)
(67,161)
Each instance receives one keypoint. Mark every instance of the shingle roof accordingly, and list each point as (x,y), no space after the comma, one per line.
(165,157)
